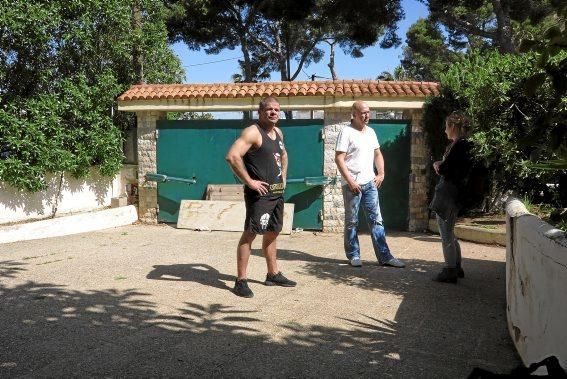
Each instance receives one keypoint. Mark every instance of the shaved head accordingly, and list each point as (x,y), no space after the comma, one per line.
(360,114)
(358,106)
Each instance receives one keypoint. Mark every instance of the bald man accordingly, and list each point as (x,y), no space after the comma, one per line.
(361,164)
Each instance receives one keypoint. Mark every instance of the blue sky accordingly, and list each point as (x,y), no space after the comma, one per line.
(375,60)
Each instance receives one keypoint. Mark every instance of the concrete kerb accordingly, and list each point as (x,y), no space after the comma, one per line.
(62,226)
(474,233)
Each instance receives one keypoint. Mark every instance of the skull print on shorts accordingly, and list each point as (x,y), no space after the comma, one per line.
(264,221)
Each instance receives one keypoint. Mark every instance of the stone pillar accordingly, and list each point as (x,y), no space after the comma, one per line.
(147,191)
(333,207)
(419,159)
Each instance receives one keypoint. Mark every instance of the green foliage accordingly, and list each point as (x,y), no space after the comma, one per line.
(283,36)
(190,116)
(489,87)
(551,65)
(428,52)
(62,65)
(480,23)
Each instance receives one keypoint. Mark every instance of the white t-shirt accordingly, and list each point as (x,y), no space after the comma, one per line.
(359,147)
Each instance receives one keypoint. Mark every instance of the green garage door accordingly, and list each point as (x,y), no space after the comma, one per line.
(395,142)
(196,149)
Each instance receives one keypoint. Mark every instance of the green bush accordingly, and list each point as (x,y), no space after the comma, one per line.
(506,121)
(62,65)
(68,130)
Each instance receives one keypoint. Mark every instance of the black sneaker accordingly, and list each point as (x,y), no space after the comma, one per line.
(241,288)
(447,275)
(279,280)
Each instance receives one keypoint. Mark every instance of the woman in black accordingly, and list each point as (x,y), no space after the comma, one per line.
(447,202)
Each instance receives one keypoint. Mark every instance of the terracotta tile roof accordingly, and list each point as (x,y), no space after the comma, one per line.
(359,88)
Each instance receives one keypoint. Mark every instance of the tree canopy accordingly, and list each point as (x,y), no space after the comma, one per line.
(428,52)
(496,22)
(62,65)
(283,36)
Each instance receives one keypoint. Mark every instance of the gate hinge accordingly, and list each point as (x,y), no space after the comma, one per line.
(322,134)
(320,215)
(157,133)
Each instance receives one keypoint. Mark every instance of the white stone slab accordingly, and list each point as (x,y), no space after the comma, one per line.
(221,215)
(62,226)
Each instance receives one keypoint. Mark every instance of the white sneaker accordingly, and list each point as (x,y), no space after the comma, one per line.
(355,262)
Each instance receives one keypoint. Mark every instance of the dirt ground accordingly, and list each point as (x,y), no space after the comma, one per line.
(146,301)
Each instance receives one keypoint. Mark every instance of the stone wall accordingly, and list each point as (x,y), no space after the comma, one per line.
(147,191)
(419,159)
(333,208)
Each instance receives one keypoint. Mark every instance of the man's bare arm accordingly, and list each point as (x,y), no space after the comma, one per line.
(379,164)
(249,137)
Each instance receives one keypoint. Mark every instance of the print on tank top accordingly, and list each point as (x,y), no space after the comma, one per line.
(265,164)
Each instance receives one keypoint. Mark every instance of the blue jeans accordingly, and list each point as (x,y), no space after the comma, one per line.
(369,199)
(451,247)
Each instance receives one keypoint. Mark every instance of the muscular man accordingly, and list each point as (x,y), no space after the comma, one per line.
(357,155)
(259,159)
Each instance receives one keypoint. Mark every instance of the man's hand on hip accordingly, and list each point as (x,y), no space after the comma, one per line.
(259,186)
(378,179)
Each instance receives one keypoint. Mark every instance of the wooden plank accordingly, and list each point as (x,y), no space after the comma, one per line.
(226,192)
(221,215)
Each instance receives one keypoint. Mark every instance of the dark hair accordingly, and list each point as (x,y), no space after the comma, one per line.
(460,121)
(265,101)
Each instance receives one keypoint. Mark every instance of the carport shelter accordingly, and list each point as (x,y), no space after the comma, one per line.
(195,149)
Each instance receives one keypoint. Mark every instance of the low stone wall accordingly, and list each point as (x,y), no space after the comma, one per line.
(536,285)
(76,195)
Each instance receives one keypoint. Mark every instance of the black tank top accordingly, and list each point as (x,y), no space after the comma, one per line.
(265,164)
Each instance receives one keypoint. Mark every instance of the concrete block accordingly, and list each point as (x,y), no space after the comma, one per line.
(120,201)
(221,215)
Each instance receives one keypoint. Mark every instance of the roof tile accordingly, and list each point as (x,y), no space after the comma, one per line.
(362,88)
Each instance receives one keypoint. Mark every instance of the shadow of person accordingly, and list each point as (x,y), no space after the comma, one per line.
(199,273)
(296,255)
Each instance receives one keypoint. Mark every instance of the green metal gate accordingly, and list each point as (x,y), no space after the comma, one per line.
(192,150)
(304,144)
(395,144)
(196,150)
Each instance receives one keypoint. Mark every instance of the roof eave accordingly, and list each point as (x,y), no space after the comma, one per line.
(286,103)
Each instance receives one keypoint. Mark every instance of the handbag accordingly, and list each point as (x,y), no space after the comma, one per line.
(445,199)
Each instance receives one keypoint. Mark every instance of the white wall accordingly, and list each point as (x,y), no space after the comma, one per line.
(536,286)
(77,195)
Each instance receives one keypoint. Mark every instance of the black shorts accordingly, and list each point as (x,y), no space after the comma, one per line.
(263,214)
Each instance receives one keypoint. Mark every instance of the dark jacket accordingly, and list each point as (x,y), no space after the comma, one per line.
(453,170)
(457,163)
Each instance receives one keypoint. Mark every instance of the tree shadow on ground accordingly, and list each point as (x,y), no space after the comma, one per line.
(9,269)
(50,330)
